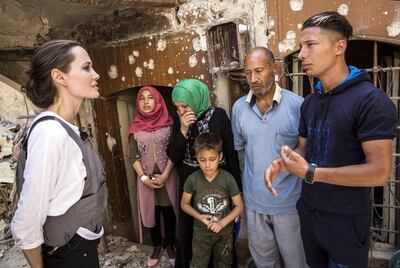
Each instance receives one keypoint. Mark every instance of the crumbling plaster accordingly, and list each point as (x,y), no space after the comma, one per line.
(24,25)
(14,70)
(13,107)
(379,21)
(31,22)
(196,16)
(129,3)
(13,104)
(96,23)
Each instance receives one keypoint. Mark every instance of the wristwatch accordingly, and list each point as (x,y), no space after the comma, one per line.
(310,173)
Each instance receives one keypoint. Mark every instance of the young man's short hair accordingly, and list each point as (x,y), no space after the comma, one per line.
(207,141)
(331,21)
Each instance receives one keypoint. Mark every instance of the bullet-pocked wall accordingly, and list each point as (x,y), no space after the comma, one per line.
(160,60)
(371,20)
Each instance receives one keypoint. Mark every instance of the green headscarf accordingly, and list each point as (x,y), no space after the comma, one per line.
(194,94)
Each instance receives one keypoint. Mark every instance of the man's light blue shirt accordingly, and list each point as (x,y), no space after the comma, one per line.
(262,136)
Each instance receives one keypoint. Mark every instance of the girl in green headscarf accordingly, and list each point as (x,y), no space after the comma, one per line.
(195,115)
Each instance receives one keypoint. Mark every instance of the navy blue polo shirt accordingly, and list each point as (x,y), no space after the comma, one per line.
(335,124)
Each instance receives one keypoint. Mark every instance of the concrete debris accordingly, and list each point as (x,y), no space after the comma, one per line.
(8,135)
(7,174)
(13,258)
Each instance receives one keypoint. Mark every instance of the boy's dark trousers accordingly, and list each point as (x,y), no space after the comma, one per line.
(221,247)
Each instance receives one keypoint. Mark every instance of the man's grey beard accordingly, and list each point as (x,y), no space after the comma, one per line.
(263,91)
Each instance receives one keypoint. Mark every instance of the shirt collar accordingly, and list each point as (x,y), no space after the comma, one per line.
(277,95)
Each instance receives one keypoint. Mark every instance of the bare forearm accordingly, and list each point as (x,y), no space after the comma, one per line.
(137,165)
(235,212)
(168,168)
(34,257)
(301,147)
(365,175)
(190,211)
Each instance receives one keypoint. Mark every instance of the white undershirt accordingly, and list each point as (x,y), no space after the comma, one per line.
(54,181)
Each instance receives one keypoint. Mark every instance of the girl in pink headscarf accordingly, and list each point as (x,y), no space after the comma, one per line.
(156,178)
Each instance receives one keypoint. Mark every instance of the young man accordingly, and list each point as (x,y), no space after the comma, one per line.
(345,147)
(212,189)
(262,122)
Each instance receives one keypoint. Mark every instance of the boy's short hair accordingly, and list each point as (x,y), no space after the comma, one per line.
(207,141)
(331,21)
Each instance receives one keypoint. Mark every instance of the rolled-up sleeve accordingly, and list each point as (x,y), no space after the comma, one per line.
(44,149)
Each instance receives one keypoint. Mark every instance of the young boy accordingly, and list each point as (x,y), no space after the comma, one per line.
(212,190)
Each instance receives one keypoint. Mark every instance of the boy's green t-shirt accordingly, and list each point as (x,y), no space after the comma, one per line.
(213,198)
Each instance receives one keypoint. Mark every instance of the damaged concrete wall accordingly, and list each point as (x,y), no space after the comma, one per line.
(18,16)
(13,104)
(134,23)
(371,20)
(142,45)
(147,60)
(15,71)
(129,3)
(32,22)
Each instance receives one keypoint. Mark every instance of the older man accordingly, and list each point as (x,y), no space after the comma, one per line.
(263,121)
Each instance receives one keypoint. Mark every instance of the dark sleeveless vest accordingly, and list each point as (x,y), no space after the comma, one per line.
(88,211)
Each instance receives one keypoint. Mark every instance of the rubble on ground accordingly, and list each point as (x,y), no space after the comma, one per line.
(9,134)
(122,253)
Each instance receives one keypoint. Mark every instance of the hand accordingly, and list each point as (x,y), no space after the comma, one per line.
(153,184)
(271,173)
(216,226)
(186,119)
(160,178)
(206,219)
(293,162)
